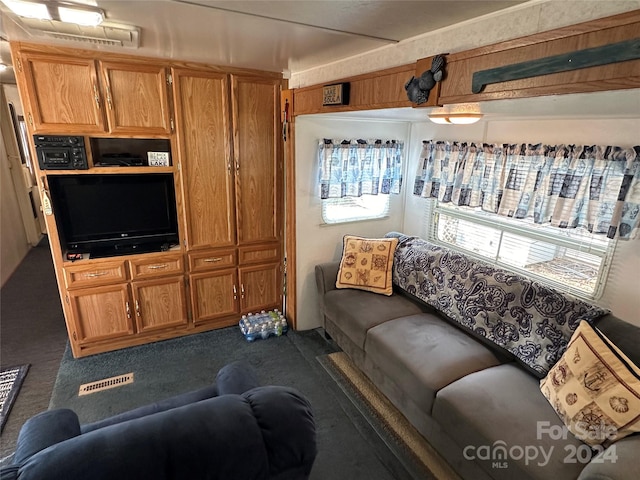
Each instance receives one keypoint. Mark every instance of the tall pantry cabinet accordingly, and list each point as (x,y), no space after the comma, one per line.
(232,187)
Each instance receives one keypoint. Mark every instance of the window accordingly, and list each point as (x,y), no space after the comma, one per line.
(353,209)
(572,260)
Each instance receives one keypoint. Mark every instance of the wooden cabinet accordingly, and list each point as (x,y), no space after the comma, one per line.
(260,287)
(136,98)
(63,93)
(257,159)
(214,296)
(159,303)
(79,95)
(101,313)
(205,153)
(232,184)
(117,300)
(223,130)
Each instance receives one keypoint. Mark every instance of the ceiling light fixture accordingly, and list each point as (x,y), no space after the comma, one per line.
(24,8)
(62,11)
(455,118)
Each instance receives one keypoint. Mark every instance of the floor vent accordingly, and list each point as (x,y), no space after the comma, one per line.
(105,384)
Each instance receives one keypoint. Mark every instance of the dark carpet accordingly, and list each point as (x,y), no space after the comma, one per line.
(32,330)
(349,448)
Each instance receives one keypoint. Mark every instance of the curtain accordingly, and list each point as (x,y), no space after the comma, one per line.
(353,168)
(568,186)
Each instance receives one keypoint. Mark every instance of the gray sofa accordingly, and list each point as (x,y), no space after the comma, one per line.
(476,404)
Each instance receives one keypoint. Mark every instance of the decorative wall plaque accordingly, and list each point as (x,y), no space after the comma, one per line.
(336,94)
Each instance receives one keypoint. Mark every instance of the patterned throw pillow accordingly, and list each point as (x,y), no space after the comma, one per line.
(366,264)
(594,388)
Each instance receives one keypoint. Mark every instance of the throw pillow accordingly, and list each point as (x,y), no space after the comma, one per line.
(366,264)
(594,388)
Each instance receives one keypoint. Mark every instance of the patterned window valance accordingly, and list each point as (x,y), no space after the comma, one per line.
(595,187)
(353,168)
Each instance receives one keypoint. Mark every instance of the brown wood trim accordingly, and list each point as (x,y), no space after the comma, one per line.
(558,33)
(457,86)
(369,91)
(290,226)
(118,57)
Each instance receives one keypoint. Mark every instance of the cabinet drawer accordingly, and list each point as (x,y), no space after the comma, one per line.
(211,260)
(105,273)
(156,266)
(259,254)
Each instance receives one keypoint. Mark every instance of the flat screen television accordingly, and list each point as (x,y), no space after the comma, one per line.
(115,214)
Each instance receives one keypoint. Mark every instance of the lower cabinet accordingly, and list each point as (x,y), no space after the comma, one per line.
(260,287)
(221,291)
(159,304)
(114,303)
(124,300)
(214,295)
(101,313)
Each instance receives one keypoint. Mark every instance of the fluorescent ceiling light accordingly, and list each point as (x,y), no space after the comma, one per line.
(90,18)
(60,11)
(28,9)
(455,118)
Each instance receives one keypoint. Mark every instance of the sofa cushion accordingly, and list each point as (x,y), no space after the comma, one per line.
(594,388)
(500,410)
(422,354)
(356,311)
(366,264)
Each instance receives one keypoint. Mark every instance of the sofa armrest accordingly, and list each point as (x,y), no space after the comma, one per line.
(618,462)
(160,406)
(43,430)
(236,378)
(326,276)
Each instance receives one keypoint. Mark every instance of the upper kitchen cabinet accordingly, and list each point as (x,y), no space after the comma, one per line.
(63,93)
(136,98)
(80,94)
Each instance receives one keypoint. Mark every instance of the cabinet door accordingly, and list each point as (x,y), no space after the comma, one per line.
(258,159)
(202,116)
(101,313)
(136,97)
(63,93)
(260,287)
(159,303)
(214,295)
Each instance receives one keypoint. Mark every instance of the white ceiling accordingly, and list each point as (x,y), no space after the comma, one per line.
(281,36)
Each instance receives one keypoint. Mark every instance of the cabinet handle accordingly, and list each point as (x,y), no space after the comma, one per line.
(137,308)
(126,304)
(96,274)
(109,99)
(158,267)
(235,293)
(242,290)
(213,260)
(96,96)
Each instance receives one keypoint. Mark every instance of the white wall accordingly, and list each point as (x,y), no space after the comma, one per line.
(317,243)
(13,239)
(622,292)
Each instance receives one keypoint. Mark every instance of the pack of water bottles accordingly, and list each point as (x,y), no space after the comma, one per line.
(263,325)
